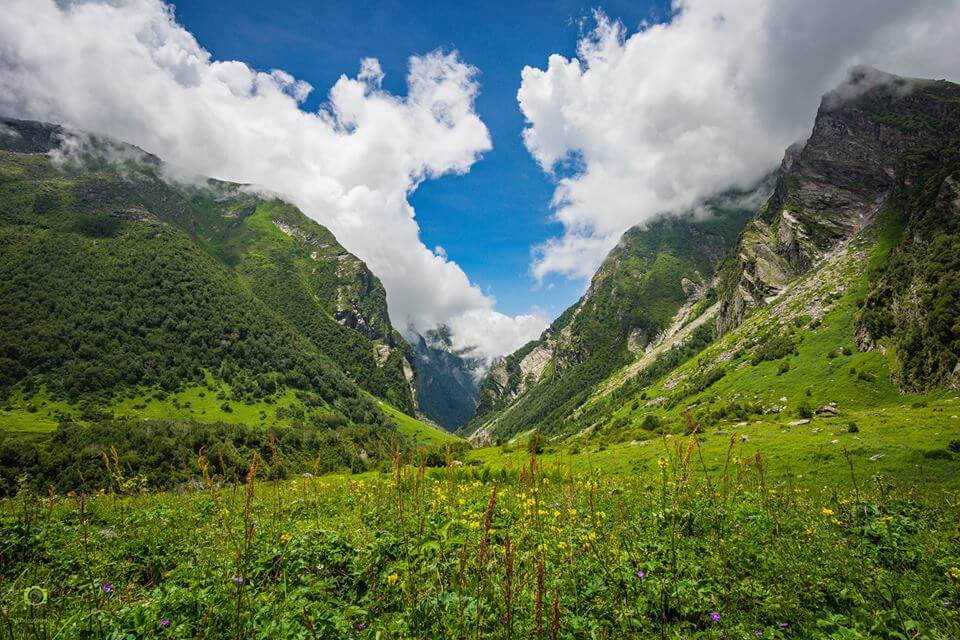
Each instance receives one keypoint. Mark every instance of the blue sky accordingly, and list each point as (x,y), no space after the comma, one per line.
(486,220)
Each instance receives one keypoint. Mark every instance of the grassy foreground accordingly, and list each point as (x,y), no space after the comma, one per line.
(466,551)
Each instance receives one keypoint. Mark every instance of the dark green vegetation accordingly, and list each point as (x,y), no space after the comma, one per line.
(114,278)
(447,379)
(644,282)
(677,552)
(136,311)
(125,454)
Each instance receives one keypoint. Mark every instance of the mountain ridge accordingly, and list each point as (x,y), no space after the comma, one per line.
(80,203)
(876,141)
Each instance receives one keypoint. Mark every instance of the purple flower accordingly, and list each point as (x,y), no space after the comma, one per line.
(641,574)
(784,625)
(361,626)
(164,623)
(715,616)
(107,587)
(238,580)
(759,634)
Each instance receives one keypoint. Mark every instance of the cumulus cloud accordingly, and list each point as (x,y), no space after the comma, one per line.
(126,68)
(658,119)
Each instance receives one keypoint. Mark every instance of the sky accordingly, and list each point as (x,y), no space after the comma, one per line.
(489,219)
(482,158)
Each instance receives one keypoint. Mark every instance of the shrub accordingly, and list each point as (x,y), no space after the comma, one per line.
(774,348)
(650,422)
(847,351)
(804,410)
(783,368)
(954,446)
(226,408)
(853,428)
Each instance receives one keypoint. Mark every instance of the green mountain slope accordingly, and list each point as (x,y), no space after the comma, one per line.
(120,289)
(844,288)
(655,273)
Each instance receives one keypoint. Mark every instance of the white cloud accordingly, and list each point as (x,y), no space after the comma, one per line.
(661,118)
(127,69)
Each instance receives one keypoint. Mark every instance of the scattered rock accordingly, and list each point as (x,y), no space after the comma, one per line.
(744,438)
(827,410)
(876,457)
(797,423)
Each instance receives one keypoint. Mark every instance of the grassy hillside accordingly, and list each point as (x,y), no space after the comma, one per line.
(652,274)
(120,288)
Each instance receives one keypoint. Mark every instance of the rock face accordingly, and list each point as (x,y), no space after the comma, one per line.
(448,382)
(827,190)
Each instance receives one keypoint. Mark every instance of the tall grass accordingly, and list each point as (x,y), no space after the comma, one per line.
(460,552)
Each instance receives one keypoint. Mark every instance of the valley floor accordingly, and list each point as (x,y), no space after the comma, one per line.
(713,537)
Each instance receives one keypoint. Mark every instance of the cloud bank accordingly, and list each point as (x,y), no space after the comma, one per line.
(659,119)
(127,69)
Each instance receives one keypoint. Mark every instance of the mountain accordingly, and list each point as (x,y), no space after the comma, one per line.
(853,261)
(448,379)
(655,280)
(124,292)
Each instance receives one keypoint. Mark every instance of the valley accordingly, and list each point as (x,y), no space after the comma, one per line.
(746,427)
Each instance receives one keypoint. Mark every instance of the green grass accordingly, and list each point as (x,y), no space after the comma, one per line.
(417,430)
(904,437)
(203,404)
(462,552)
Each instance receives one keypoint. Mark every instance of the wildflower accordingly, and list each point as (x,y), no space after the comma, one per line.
(826,512)
(641,574)
(107,587)
(108,533)
(783,625)
(164,623)
(715,616)
(954,572)
(392,578)
(237,580)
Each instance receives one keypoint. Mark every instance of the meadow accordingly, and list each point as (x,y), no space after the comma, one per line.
(706,539)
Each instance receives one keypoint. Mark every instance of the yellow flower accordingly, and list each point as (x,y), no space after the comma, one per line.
(392,578)
(826,512)
(953,572)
